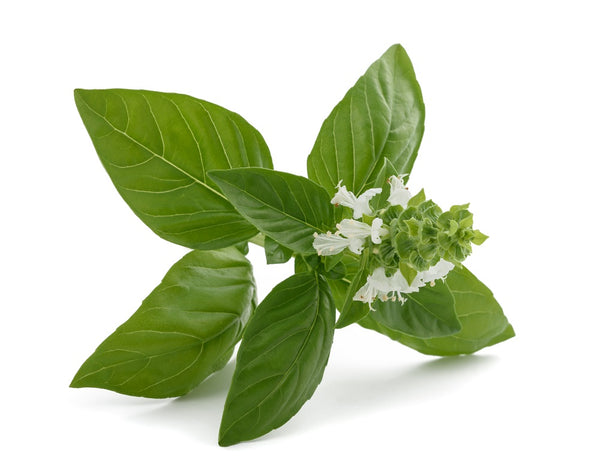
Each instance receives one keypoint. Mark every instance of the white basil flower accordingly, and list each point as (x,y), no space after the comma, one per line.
(367,294)
(356,245)
(359,205)
(378,231)
(399,284)
(353,229)
(329,244)
(399,194)
(437,271)
(377,286)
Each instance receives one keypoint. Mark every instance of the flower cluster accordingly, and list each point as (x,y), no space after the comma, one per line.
(411,241)
(379,286)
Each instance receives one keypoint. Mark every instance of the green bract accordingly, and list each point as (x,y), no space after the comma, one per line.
(422,235)
(201,176)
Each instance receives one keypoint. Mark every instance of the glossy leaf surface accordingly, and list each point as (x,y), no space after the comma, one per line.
(157,149)
(427,313)
(281,359)
(380,201)
(287,208)
(481,317)
(381,116)
(275,253)
(352,310)
(184,330)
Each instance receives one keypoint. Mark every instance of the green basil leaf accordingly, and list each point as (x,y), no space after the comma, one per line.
(275,252)
(281,359)
(157,149)
(287,208)
(417,199)
(381,181)
(243,247)
(339,290)
(330,262)
(427,313)
(482,319)
(184,330)
(338,271)
(382,115)
(352,310)
(301,266)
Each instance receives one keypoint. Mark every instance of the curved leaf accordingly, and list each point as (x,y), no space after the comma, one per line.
(483,322)
(287,208)
(184,330)
(281,359)
(157,149)
(275,253)
(339,290)
(427,313)
(381,116)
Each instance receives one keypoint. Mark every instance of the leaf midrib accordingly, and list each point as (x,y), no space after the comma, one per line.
(280,211)
(154,154)
(201,343)
(285,375)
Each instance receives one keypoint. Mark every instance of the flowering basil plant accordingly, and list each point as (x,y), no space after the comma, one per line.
(202,177)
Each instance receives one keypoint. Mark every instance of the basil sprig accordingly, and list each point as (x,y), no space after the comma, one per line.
(202,177)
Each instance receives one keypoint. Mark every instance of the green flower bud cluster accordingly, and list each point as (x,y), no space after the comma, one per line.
(421,234)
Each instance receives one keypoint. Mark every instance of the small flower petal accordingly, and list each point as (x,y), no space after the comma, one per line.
(366,294)
(375,287)
(399,194)
(356,245)
(348,199)
(330,244)
(379,279)
(398,283)
(378,231)
(343,197)
(438,271)
(362,203)
(354,229)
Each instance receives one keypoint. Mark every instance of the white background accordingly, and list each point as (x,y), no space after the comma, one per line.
(511,90)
